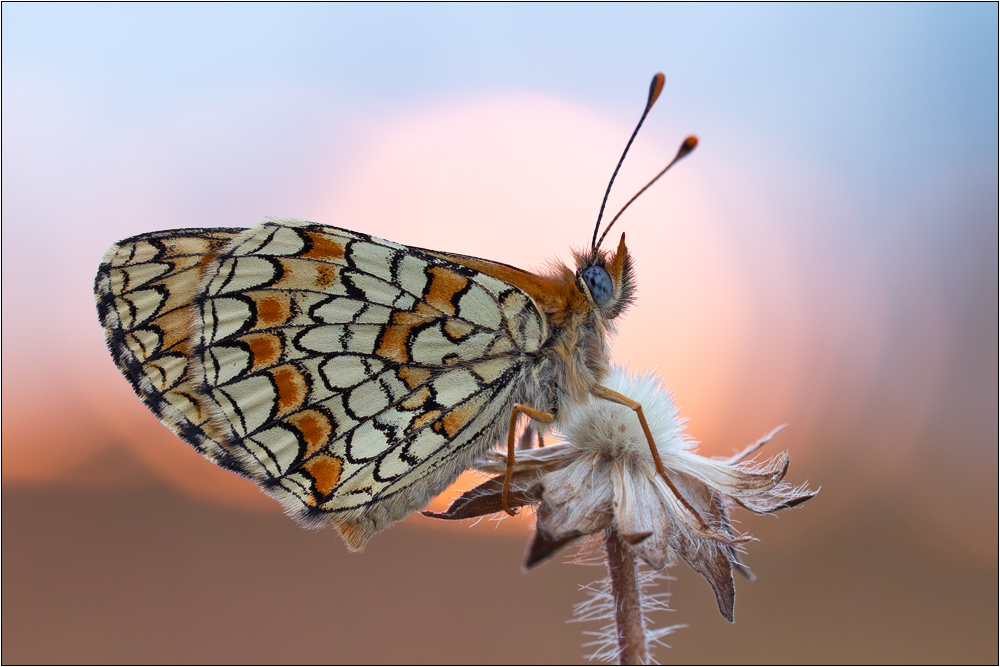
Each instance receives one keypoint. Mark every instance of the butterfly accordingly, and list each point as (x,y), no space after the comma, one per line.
(351,377)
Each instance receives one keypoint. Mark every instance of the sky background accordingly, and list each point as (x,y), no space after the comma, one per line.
(826,258)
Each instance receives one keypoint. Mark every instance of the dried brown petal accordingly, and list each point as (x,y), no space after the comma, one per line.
(577,498)
(712,561)
(695,491)
(639,511)
(796,500)
(543,546)
(541,459)
(743,481)
(635,539)
(734,556)
(709,505)
(712,555)
(781,497)
(487,498)
(701,497)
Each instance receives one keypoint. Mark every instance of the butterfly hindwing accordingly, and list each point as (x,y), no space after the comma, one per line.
(351,377)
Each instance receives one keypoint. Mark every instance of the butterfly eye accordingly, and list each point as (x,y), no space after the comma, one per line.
(599,283)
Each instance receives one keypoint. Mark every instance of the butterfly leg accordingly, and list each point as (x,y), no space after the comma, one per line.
(537,415)
(615,397)
(528,436)
(526,441)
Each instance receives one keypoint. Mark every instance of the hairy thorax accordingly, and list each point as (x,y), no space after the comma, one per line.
(573,361)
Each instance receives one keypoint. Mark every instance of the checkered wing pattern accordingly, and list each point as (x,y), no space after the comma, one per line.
(145,289)
(351,377)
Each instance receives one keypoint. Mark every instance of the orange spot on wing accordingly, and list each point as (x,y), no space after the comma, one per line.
(423,309)
(424,419)
(323,247)
(272,310)
(413,377)
(325,276)
(442,288)
(416,399)
(216,246)
(457,328)
(459,417)
(291,387)
(266,349)
(556,294)
(392,343)
(325,472)
(175,326)
(314,427)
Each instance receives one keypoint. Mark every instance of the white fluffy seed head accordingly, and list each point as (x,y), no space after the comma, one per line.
(613,431)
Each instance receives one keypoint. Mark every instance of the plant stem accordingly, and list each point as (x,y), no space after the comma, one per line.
(628,603)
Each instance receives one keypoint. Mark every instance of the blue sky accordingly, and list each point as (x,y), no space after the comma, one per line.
(871,89)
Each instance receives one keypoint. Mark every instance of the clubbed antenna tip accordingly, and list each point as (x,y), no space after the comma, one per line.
(655,87)
(687,146)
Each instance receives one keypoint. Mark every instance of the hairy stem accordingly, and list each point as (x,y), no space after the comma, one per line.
(628,604)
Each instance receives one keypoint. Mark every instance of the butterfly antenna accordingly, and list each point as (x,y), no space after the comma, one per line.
(689,145)
(654,91)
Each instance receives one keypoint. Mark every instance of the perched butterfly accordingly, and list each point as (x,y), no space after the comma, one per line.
(354,378)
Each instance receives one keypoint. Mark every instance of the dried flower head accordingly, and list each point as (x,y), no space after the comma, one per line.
(602,477)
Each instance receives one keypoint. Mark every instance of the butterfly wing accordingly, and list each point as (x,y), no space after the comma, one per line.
(351,377)
(144,288)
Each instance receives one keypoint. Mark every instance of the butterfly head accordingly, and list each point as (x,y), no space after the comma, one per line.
(607,280)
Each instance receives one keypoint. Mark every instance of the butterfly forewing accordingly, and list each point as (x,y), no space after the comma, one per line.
(144,288)
(351,377)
